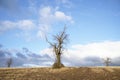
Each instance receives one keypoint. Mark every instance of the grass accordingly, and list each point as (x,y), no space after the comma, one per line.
(67,73)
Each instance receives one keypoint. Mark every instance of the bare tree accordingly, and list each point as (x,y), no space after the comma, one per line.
(107,61)
(58,47)
(9,62)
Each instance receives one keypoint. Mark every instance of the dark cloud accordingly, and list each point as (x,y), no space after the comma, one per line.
(25,50)
(20,55)
(3,62)
(1,45)
(87,61)
(34,55)
(115,61)
(90,61)
(2,53)
(93,61)
(26,58)
(18,62)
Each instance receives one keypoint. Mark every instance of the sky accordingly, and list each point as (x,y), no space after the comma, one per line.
(92,26)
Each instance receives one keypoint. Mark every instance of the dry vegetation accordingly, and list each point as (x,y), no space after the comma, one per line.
(82,73)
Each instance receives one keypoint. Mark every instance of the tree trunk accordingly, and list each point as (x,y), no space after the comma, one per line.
(107,63)
(58,59)
(58,63)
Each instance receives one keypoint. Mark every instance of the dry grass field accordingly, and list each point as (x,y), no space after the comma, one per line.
(82,73)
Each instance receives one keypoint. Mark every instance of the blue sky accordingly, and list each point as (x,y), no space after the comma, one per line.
(90,23)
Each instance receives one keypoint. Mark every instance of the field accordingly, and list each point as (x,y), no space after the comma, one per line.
(69,73)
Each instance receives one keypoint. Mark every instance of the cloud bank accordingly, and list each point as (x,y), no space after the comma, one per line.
(101,49)
(76,56)
(23,58)
(91,54)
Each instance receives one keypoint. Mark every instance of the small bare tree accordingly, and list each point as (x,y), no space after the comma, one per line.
(58,47)
(9,62)
(107,61)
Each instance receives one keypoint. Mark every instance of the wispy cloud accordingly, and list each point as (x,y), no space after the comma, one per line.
(26,25)
(64,3)
(25,28)
(21,24)
(6,25)
(49,16)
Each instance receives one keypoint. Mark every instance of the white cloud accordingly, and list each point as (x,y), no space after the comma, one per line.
(61,16)
(49,52)
(45,11)
(101,49)
(22,25)
(50,16)
(42,31)
(6,25)
(25,25)
(47,17)
(79,54)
